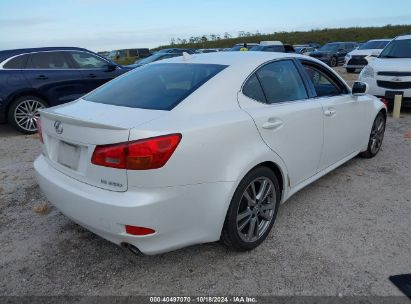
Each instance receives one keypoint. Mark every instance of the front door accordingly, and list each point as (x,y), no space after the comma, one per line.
(94,70)
(343,115)
(50,74)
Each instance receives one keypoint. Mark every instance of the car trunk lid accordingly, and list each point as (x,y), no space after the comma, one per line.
(72,131)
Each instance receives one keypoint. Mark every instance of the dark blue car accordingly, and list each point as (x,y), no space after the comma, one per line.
(31,79)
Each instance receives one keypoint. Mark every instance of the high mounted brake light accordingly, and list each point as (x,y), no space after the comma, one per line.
(143,154)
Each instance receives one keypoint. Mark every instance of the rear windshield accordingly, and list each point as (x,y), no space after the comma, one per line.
(156,86)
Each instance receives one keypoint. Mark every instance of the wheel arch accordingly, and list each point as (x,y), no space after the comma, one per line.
(19,94)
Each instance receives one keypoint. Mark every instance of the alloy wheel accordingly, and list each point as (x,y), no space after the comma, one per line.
(256,209)
(26,114)
(377,134)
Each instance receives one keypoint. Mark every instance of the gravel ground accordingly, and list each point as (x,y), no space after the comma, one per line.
(345,234)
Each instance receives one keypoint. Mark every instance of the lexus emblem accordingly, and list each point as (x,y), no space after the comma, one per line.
(58,126)
(396,79)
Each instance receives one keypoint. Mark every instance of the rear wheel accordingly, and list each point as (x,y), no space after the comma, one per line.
(252,211)
(23,113)
(376,137)
(350,70)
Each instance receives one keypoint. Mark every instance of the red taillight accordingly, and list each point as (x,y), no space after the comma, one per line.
(134,230)
(385,101)
(39,131)
(144,154)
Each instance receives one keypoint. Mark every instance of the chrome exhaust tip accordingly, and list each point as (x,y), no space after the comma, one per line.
(133,249)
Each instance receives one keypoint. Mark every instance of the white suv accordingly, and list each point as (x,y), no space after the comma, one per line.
(390,73)
(356,59)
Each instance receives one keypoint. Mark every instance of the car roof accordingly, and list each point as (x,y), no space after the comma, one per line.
(232,58)
(380,40)
(10,53)
(403,37)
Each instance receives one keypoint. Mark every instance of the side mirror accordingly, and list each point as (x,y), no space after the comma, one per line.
(359,88)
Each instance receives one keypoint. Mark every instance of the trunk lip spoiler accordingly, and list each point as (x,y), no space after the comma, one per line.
(78,122)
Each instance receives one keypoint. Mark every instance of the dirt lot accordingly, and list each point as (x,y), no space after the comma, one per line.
(345,234)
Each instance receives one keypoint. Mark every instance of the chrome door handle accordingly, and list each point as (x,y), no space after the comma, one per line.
(330,112)
(272,124)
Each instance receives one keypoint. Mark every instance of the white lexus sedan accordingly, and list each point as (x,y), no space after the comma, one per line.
(200,148)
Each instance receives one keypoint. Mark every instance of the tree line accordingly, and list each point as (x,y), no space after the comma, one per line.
(322,36)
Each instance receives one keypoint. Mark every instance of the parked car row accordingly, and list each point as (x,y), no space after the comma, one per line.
(31,79)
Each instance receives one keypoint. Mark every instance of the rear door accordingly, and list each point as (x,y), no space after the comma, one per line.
(343,114)
(50,74)
(94,70)
(290,123)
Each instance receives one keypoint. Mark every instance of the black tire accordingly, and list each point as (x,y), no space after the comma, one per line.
(231,236)
(22,120)
(350,70)
(376,137)
(333,62)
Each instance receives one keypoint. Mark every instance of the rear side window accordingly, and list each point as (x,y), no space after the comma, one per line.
(158,86)
(281,81)
(48,60)
(252,89)
(18,62)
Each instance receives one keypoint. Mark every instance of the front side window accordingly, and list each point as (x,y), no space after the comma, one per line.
(18,62)
(323,84)
(281,81)
(48,60)
(85,60)
(400,48)
(158,87)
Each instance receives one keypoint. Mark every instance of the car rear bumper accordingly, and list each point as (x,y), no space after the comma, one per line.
(181,216)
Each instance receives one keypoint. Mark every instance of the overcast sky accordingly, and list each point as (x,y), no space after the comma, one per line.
(112,24)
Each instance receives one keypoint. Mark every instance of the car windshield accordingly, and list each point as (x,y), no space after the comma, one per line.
(158,87)
(373,45)
(330,47)
(400,48)
(271,48)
